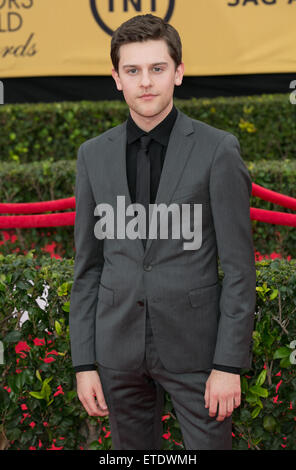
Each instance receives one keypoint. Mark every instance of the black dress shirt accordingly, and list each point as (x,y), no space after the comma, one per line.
(157,150)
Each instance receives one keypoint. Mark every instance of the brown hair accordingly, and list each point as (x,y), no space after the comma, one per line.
(142,28)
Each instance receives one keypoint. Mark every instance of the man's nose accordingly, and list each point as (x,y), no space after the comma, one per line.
(145,79)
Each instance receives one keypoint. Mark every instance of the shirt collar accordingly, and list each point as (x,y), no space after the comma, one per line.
(160,133)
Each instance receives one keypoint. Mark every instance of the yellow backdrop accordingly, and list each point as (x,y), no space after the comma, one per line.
(72,37)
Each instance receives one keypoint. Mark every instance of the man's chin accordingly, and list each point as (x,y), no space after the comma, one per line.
(149,110)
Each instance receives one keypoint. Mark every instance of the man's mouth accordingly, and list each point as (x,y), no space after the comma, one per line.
(147,97)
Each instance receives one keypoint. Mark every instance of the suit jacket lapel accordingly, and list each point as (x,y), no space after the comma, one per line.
(116,161)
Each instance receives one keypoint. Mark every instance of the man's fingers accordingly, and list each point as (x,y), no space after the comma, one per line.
(222,391)
(237,400)
(230,406)
(222,410)
(101,399)
(213,405)
(207,396)
(85,405)
(91,406)
(90,393)
(225,406)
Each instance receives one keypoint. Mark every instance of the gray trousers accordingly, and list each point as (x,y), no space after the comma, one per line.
(135,401)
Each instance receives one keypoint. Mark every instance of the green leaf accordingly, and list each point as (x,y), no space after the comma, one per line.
(257,338)
(12,337)
(23,285)
(58,327)
(46,390)
(274,294)
(251,398)
(28,376)
(13,434)
(244,385)
(261,377)
(37,395)
(38,375)
(46,381)
(282,352)
(245,415)
(4,399)
(70,395)
(63,289)
(285,362)
(2,287)
(19,381)
(12,383)
(66,306)
(260,391)
(269,423)
(256,412)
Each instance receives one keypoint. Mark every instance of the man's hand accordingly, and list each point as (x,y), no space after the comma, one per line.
(223,389)
(89,386)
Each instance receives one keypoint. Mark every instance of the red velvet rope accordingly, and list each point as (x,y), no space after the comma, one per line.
(272,196)
(35,207)
(40,220)
(273,217)
(68,218)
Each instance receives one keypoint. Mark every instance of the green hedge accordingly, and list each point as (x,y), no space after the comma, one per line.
(48,180)
(265,125)
(39,405)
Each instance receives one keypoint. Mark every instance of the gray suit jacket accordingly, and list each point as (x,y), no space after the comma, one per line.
(196,320)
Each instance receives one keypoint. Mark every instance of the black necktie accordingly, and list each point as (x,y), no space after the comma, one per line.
(143,179)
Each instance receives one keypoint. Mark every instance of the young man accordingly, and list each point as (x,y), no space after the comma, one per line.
(146,314)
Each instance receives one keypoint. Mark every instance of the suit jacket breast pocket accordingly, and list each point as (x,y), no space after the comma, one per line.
(191,193)
(106,295)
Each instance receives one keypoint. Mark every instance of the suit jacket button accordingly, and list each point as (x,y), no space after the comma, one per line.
(140,303)
(147,267)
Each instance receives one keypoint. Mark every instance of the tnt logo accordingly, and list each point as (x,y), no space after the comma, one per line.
(109,14)
(1,93)
(1,353)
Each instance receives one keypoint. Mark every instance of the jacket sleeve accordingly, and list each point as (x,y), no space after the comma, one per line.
(88,268)
(231,370)
(230,191)
(85,368)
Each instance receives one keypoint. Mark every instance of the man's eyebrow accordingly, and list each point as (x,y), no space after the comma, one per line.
(156,63)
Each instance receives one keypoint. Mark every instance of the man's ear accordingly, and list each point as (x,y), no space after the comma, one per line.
(117,80)
(179,74)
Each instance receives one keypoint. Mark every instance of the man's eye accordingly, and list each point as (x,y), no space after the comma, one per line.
(132,70)
(157,69)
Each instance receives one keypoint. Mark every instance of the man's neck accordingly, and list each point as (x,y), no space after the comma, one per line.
(148,123)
